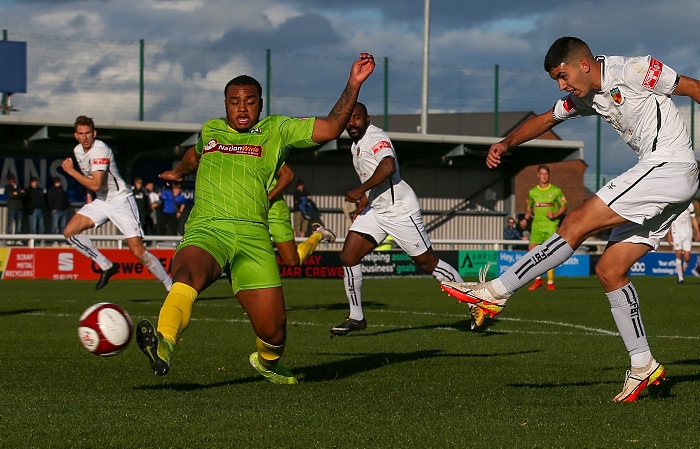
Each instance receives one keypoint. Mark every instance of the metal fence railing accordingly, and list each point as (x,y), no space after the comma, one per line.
(137,80)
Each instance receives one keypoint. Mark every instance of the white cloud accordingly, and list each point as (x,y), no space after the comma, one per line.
(88,24)
(279,13)
(177,5)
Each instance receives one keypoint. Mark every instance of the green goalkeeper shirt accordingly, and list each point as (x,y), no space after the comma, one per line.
(237,169)
(549,199)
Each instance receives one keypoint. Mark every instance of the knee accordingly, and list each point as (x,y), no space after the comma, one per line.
(608,274)
(274,332)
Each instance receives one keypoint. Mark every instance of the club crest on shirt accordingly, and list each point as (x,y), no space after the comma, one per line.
(255,131)
(617,96)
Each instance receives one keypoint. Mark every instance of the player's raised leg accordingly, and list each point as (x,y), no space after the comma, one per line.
(588,219)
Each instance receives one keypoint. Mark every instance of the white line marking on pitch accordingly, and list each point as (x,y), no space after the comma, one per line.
(588,331)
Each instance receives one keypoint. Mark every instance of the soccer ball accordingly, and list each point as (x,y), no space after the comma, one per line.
(105,329)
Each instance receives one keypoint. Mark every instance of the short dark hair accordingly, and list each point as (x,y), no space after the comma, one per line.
(541,167)
(562,49)
(362,105)
(84,120)
(56,179)
(244,80)
(33,178)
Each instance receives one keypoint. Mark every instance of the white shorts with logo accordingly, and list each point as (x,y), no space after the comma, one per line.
(681,240)
(122,212)
(408,231)
(650,196)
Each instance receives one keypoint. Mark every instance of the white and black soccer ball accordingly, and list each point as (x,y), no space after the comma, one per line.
(105,329)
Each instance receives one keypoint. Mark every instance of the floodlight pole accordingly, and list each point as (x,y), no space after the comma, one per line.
(426,50)
(5,102)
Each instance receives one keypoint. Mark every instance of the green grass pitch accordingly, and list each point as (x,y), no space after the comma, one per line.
(543,374)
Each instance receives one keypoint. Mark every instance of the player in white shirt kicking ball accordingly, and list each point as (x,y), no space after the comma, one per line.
(683,229)
(387,205)
(634,96)
(114,202)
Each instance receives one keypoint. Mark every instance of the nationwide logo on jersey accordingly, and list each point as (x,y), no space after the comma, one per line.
(569,104)
(653,74)
(245,150)
(617,96)
(543,204)
(380,146)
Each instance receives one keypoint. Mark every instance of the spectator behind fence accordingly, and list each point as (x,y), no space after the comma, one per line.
(151,224)
(15,199)
(58,203)
(36,203)
(524,229)
(301,215)
(510,232)
(173,204)
(141,198)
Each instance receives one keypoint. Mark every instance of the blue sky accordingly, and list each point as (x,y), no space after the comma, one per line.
(513,34)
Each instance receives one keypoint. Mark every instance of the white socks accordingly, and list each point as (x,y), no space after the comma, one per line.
(446,272)
(84,246)
(157,270)
(624,305)
(542,258)
(352,277)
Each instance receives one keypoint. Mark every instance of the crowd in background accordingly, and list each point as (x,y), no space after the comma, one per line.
(35,210)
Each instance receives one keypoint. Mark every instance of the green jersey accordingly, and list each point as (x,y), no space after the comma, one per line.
(237,170)
(542,201)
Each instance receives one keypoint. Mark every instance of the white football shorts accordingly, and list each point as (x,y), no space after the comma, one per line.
(408,231)
(650,196)
(681,241)
(120,211)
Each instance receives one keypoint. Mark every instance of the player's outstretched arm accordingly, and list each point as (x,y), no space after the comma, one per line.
(188,165)
(333,125)
(689,87)
(530,129)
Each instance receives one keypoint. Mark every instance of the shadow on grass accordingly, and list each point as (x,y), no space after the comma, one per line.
(353,365)
(19,312)
(199,298)
(660,391)
(359,363)
(367,305)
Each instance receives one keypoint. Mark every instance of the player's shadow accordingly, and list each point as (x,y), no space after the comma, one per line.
(461,325)
(353,365)
(360,363)
(19,312)
(367,305)
(199,299)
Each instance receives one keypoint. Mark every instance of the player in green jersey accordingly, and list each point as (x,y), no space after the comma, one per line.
(236,160)
(547,203)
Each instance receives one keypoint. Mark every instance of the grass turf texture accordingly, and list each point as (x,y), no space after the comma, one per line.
(543,374)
